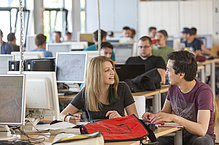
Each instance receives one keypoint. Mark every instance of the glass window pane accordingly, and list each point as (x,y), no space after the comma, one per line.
(5,25)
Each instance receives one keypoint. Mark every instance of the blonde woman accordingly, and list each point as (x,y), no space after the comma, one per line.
(103,96)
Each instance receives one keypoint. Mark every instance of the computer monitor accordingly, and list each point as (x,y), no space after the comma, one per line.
(88,37)
(113,40)
(125,71)
(30,42)
(207,40)
(28,55)
(4,63)
(170,43)
(77,46)
(122,51)
(13,103)
(58,47)
(92,54)
(71,67)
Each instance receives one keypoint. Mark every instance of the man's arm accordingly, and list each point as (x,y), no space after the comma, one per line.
(162,75)
(205,50)
(198,128)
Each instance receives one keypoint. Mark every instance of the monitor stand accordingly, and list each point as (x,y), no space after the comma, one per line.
(5,133)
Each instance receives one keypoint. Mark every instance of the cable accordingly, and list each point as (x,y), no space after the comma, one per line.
(99,30)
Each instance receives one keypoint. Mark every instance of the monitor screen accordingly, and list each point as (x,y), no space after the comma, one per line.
(122,51)
(125,71)
(12,96)
(88,37)
(58,47)
(207,40)
(4,63)
(71,67)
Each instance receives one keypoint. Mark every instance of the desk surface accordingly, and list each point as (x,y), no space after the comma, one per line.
(158,132)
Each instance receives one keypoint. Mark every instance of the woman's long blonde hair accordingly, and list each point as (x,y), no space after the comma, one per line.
(94,82)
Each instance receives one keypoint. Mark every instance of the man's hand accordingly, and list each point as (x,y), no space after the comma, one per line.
(161,116)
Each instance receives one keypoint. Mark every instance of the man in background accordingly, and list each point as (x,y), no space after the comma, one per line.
(12,40)
(152,31)
(56,36)
(161,49)
(6,48)
(68,36)
(126,32)
(40,41)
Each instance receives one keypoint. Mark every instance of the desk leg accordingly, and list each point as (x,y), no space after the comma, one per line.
(178,138)
(203,75)
(213,77)
(156,103)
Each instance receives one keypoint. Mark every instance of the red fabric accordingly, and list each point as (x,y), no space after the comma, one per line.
(118,129)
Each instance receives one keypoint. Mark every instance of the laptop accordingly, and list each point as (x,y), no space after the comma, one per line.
(129,71)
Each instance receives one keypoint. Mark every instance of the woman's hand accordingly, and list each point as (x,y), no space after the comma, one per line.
(112,114)
(72,119)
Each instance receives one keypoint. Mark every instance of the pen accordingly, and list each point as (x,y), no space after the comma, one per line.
(73,116)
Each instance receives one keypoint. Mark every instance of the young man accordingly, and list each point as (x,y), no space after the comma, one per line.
(103,39)
(40,41)
(12,40)
(161,49)
(56,36)
(189,99)
(146,57)
(68,36)
(126,31)
(6,48)
(152,32)
(107,49)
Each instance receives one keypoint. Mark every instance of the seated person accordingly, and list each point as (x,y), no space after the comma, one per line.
(103,39)
(68,36)
(6,48)
(110,34)
(152,32)
(189,99)
(12,40)
(126,32)
(103,96)
(133,33)
(107,49)
(40,41)
(146,57)
(56,37)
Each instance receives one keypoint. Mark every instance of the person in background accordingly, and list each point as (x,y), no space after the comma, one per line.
(56,37)
(6,48)
(103,39)
(12,40)
(161,49)
(203,47)
(133,33)
(68,36)
(110,34)
(189,103)
(145,47)
(152,31)
(103,96)
(40,41)
(107,49)
(126,32)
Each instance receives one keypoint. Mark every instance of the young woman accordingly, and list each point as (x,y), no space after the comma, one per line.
(103,96)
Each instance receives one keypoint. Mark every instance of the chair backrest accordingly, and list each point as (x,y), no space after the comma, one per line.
(214,51)
(215,113)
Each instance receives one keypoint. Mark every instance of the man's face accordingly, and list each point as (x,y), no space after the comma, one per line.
(184,36)
(152,34)
(127,33)
(56,38)
(144,48)
(161,39)
(173,78)
(107,51)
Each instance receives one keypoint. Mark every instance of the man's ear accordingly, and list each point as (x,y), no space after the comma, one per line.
(181,75)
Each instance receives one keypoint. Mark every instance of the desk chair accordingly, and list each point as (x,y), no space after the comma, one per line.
(215,113)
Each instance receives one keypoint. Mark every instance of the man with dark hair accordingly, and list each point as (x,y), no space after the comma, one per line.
(12,40)
(40,41)
(146,57)
(152,32)
(103,39)
(68,36)
(6,48)
(126,31)
(133,33)
(107,49)
(56,36)
(161,49)
(190,100)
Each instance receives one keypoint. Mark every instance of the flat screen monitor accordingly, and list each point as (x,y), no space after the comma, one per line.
(58,47)
(122,51)
(129,71)
(88,37)
(13,103)
(4,63)
(28,55)
(92,54)
(207,40)
(70,67)
(77,46)
(113,40)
